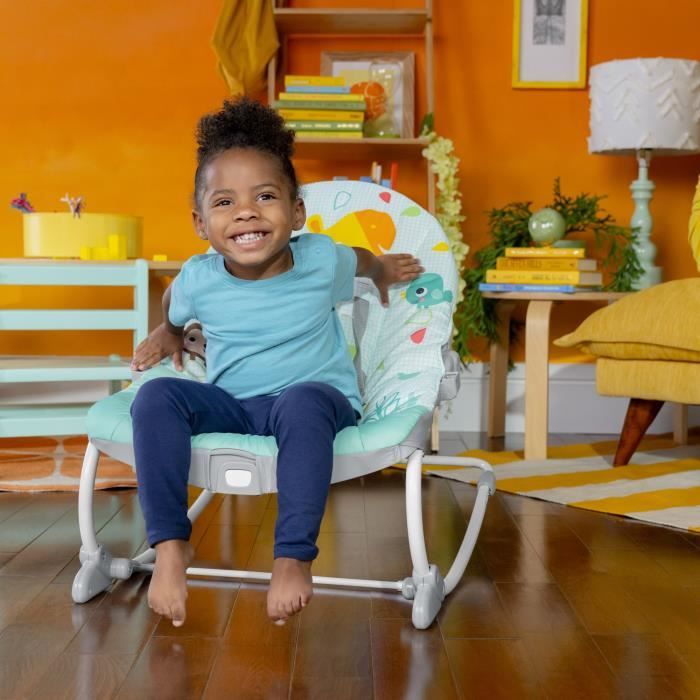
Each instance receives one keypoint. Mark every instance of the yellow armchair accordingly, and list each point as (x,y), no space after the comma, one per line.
(647,347)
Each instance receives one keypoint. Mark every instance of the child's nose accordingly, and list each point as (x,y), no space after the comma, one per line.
(245,212)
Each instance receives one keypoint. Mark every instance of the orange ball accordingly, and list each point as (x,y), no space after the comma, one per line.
(374,95)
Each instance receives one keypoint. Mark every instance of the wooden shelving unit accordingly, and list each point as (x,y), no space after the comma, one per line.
(340,21)
(361,149)
(355,22)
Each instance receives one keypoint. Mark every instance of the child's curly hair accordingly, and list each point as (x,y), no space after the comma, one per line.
(244,123)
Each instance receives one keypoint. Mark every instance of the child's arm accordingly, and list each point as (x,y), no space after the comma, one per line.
(385,270)
(164,340)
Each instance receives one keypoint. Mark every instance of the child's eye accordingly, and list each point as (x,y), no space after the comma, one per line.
(265,196)
(222,202)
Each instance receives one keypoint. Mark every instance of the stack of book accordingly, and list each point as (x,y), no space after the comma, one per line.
(542,270)
(321,106)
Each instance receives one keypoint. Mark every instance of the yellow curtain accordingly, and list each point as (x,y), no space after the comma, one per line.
(245,39)
(694,226)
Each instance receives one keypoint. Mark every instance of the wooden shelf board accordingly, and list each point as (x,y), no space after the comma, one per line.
(349,21)
(309,148)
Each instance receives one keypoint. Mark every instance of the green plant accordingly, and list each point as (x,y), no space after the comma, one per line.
(475,317)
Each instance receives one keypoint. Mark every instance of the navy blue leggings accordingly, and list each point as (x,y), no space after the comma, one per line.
(304,420)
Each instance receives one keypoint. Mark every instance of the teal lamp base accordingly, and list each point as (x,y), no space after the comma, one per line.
(642,190)
(651,276)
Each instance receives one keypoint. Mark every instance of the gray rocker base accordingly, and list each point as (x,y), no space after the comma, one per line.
(425,586)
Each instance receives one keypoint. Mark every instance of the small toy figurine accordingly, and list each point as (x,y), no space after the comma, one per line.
(22,203)
(75,204)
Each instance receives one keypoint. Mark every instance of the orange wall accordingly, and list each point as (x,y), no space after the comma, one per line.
(102,102)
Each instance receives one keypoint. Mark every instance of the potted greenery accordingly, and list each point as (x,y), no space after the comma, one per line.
(475,316)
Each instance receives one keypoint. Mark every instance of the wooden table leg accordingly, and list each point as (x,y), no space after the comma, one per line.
(157,284)
(435,432)
(498,366)
(680,423)
(537,378)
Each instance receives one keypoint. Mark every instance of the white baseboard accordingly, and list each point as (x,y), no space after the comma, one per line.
(575,407)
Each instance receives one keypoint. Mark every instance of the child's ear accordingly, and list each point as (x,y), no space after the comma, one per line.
(299,218)
(199,226)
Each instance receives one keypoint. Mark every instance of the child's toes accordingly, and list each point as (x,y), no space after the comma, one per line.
(275,612)
(177,615)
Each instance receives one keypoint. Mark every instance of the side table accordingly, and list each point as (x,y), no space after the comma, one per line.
(537,318)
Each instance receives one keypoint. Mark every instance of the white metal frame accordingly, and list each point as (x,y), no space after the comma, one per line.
(426,586)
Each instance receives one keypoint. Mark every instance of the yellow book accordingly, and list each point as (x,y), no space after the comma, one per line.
(584,279)
(330,134)
(318,97)
(320,80)
(323,115)
(545,252)
(551,264)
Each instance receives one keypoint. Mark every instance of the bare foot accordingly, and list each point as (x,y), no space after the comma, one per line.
(290,588)
(168,590)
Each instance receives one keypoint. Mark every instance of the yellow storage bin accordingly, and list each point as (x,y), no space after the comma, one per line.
(61,235)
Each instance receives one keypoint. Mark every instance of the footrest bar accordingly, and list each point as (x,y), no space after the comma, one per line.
(265,576)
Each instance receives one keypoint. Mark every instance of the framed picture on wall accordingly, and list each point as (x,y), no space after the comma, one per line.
(386,80)
(549,43)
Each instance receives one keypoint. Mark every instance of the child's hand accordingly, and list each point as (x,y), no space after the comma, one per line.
(399,267)
(159,344)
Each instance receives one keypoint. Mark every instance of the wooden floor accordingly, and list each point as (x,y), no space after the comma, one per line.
(556,603)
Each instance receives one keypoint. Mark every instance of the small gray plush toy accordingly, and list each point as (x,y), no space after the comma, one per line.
(193,354)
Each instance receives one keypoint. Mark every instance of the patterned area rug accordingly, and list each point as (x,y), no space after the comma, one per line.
(53,464)
(661,484)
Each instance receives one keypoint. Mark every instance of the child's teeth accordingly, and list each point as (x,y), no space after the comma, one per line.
(250,236)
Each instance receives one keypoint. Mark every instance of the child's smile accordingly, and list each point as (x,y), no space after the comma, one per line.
(247,213)
(250,240)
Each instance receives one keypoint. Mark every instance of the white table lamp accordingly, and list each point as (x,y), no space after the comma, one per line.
(640,106)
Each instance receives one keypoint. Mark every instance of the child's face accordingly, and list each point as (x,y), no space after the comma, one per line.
(247,213)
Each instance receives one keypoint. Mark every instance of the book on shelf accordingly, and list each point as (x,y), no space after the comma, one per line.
(527,288)
(331,134)
(552,264)
(334,115)
(584,279)
(322,98)
(319,89)
(322,126)
(314,81)
(304,103)
(545,252)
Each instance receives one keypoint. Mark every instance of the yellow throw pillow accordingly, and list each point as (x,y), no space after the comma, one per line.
(694,226)
(658,323)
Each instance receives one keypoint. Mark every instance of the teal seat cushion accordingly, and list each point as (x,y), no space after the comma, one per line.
(110,420)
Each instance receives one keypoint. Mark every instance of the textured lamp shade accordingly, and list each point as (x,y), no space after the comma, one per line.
(645,104)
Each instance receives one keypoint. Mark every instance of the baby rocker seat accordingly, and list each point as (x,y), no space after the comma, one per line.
(404,366)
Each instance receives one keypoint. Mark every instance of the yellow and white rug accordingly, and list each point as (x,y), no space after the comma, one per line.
(660,485)
(53,464)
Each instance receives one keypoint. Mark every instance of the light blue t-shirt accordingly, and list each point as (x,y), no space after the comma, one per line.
(264,336)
